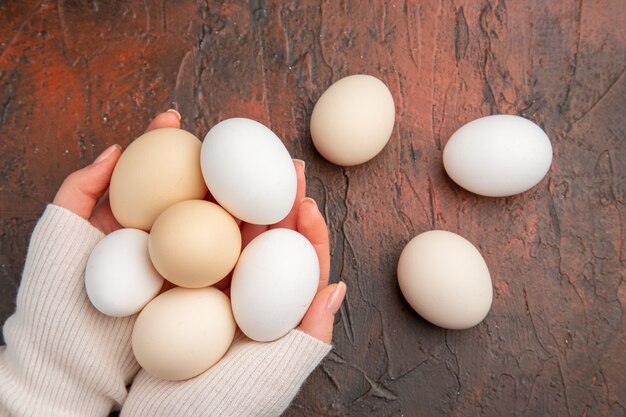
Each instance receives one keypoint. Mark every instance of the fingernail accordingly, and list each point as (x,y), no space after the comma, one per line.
(310,200)
(176,113)
(301,162)
(107,152)
(336,298)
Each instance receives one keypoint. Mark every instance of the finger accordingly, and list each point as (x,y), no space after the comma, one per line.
(81,190)
(311,224)
(290,221)
(170,118)
(102,216)
(250,231)
(319,318)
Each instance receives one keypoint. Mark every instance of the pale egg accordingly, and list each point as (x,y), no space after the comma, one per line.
(353,120)
(445,279)
(183,332)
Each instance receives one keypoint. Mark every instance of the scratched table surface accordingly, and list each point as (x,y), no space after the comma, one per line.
(78,76)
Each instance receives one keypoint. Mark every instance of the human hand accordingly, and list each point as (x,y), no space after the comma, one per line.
(84,193)
(279,367)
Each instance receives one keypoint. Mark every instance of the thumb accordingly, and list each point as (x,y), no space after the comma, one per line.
(81,189)
(319,318)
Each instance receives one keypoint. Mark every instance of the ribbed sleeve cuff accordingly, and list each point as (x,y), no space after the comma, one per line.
(63,357)
(55,264)
(253,379)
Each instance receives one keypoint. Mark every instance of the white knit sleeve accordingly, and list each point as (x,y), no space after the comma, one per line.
(62,357)
(253,379)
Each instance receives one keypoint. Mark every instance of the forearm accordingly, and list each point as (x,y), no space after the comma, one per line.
(63,357)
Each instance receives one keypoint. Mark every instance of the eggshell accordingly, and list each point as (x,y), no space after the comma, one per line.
(498,156)
(158,169)
(274,283)
(353,120)
(445,279)
(183,332)
(119,277)
(249,171)
(194,243)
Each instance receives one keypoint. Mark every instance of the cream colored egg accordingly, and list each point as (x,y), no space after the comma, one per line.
(445,279)
(194,243)
(353,120)
(183,332)
(158,169)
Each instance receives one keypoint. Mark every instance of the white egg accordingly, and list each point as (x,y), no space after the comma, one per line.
(273,284)
(445,279)
(498,156)
(249,171)
(120,279)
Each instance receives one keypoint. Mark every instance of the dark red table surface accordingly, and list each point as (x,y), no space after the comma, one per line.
(77,76)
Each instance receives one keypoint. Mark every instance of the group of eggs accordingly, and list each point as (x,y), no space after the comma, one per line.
(171,232)
(441,274)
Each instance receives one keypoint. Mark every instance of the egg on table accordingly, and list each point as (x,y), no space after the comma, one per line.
(273,284)
(498,156)
(445,279)
(353,119)
(120,278)
(158,169)
(249,171)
